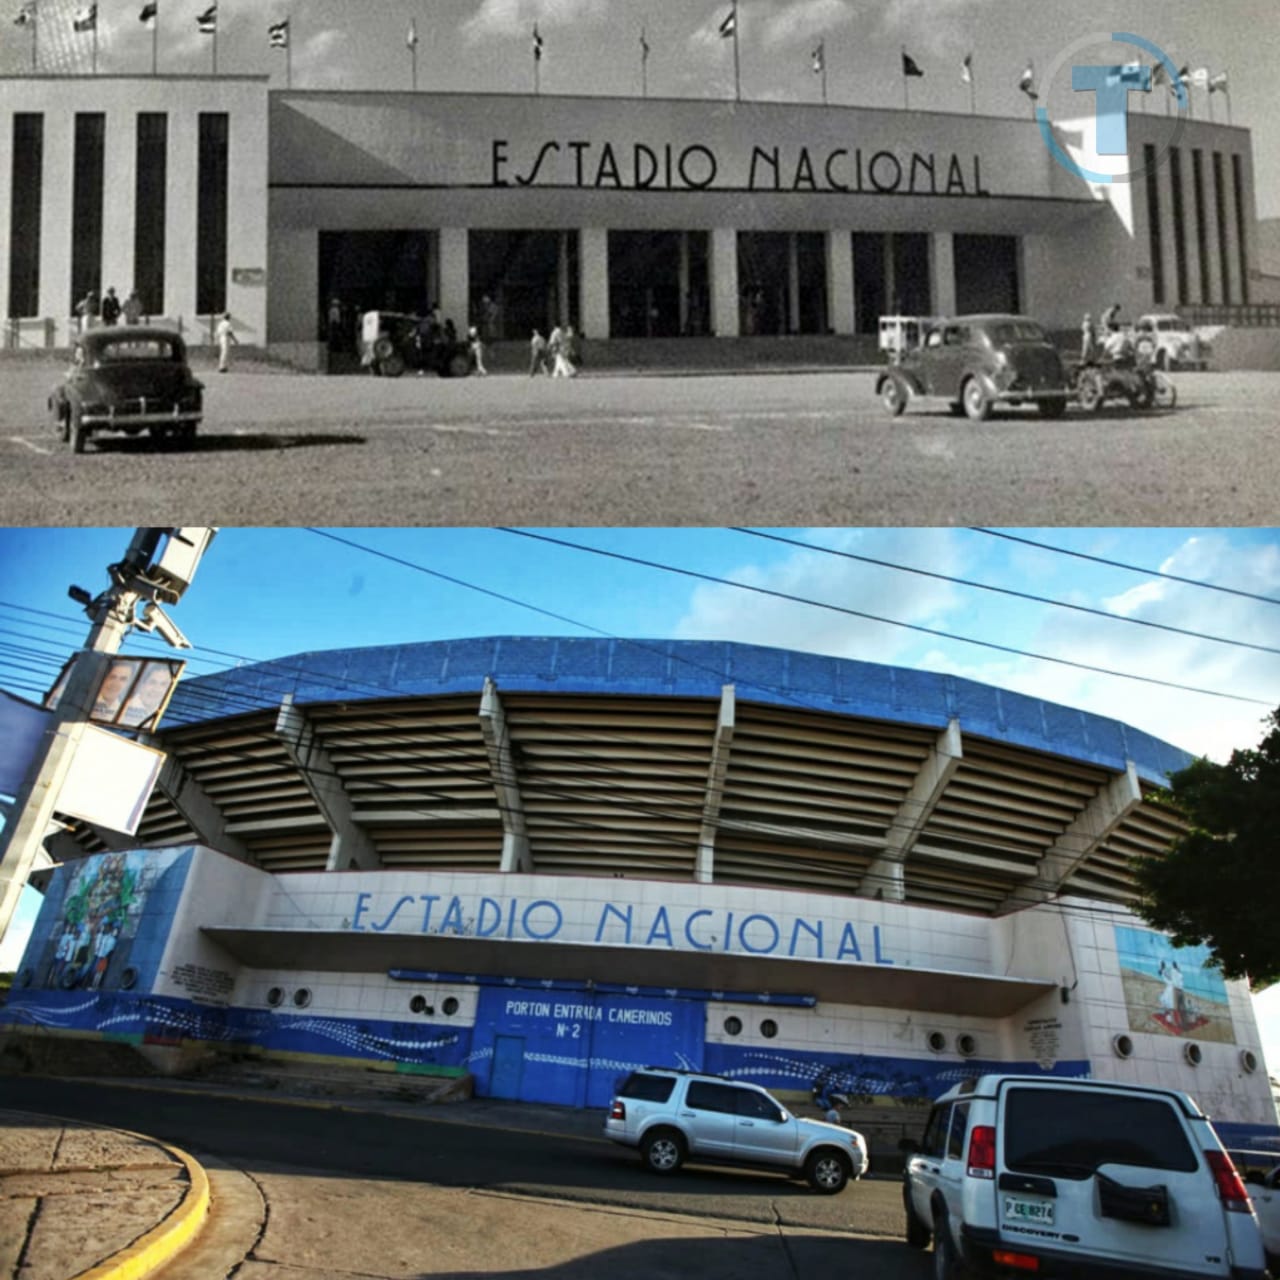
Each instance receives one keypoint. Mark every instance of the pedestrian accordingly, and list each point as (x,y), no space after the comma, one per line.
(110,307)
(87,311)
(225,336)
(488,318)
(1088,339)
(335,323)
(557,349)
(1111,318)
(132,309)
(475,348)
(538,362)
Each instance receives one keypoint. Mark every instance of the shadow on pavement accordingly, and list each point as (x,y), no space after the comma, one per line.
(249,442)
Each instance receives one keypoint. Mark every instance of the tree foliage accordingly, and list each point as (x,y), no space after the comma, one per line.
(1219,884)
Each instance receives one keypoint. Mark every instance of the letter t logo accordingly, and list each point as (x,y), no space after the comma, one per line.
(1112,85)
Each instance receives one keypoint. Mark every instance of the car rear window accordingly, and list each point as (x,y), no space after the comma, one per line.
(647,1088)
(1020,331)
(1071,1132)
(137,349)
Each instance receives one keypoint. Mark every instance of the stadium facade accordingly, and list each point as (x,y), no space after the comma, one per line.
(630,218)
(545,862)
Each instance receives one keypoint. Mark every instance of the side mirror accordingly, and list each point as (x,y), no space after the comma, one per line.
(908,1146)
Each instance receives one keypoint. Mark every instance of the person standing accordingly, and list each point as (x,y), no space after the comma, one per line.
(225,336)
(1111,318)
(475,347)
(110,307)
(538,355)
(1088,339)
(132,309)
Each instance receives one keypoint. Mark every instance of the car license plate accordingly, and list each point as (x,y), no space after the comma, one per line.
(1039,1212)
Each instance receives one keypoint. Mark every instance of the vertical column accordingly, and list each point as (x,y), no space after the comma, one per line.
(1190,225)
(119,188)
(840,282)
(1168,240)
(942,273)
(793,283)
(1211,232)
(291,296)
(593,281)
(247,216)
(455,276)
(1231,290)
(180,223)
(724,282)
(682,283)
(1246,213)
(562,315)
(55,224)
(6,210)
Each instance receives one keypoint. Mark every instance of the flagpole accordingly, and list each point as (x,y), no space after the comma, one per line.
(95,42)
(644,65)
(155,43)
(973,93)
(737,73)
(288,54)
(824,73)
(35,27)
(215,44)
(906,82)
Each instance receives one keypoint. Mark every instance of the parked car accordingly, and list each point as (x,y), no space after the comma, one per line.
(974,363)
(1264,1191)
(1175,344)
(393,341)
(129,378)
(1020,1174)
(672,1116)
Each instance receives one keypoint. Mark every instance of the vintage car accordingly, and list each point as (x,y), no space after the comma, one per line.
(393,341)
(1175,344)
(974,363)
(128,378)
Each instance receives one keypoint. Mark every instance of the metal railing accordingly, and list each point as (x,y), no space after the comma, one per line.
(1237,315)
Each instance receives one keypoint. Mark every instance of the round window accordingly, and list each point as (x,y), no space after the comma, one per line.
(302,997)
(274,996)
(1193,1054)
(128,978)
(1123,1046)
(966,1045)
(1248,1061)
(937,1041)
(733,1025)
(768,1028)
(450,1005)
(418,1004)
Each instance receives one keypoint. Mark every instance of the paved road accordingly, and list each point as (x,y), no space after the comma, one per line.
(301,1193)
(757,448)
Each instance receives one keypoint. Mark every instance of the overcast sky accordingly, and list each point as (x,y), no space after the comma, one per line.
(262,594)
(593,47)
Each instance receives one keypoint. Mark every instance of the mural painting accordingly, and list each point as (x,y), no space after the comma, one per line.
(1172,990)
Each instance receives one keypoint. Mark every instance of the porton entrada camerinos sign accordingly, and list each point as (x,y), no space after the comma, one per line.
(638,166)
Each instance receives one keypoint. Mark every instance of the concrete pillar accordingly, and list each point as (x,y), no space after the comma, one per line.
(942,273)
(247,226)
(1231,292)
(793,283)
(1249,197)
(840,317)
(1211,231)
(1191,226)
(1168,241)
(682,280)
(120,164)
(724,282)
(292,298)
(181,199)
(6,208)
(593,281)
(55,222)
(455,275)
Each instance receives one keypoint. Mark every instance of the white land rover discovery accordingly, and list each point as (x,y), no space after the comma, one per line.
(1032,1175)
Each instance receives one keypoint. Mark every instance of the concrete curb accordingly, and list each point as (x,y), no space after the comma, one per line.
(163,1242)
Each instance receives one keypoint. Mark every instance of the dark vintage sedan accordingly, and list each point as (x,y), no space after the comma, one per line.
(974,363)
(129,378)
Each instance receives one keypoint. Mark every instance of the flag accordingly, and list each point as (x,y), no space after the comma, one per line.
(730,23)
(1028,82)
(26,15)
(819,58)
(1160,75)
(966,69)
(85,19)
(208,20)
(278,34)
(149,12)
(1218,84)
(1199,77)
(910,67)
(537,44)
(411,39)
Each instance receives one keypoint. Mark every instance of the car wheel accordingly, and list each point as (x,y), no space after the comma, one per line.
(893,397)
(384,348)
(946,1260)
(918,1233)
(662,1151)
(1090,391)
(79,432)
(1164,393)
(1054,408)
(459,365)
(827,1171)
(977,407)
(391,366)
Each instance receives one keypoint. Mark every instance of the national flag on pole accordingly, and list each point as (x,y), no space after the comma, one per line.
(1028,82)
(819,57)
(26,15)
(278,34)
(411,39)
(1130,74)
(910,67)
(730,23)
(208,20)
(1199,78)
(85,19)
(644,47)
(966,69)
(149,13)
(1218,84)
(537,44)
(1159,75)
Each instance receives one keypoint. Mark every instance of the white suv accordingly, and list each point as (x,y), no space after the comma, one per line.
(673,1115)
(1031,1174)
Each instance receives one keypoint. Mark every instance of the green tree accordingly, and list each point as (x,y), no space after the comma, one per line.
(1219,884)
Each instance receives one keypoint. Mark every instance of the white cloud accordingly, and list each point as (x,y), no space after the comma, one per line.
(516,17)
(801,20)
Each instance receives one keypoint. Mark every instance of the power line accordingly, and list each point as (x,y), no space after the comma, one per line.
(872,617)
(1120,564)
(1005,591)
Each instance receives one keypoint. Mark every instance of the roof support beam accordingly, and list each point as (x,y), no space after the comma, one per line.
(704,871)
(351,846)
(885,877)
(516,853)
(1088,830)
(199,811)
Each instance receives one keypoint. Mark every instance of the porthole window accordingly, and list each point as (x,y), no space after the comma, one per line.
(733,1025)
(1123,1046)
(1248,1061)
(302,997)
(274,996)
(966,1045)
(937,1041)
(1193,1054)
(128,978)
(418,1004)
(768,1028)
(450,1006)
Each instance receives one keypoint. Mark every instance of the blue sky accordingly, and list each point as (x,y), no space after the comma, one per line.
(593,47)
(266,593)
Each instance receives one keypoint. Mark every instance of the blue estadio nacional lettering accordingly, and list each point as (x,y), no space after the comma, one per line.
(639,167)
(677,929)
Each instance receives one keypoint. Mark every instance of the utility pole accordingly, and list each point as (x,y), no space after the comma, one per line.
(139,579)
